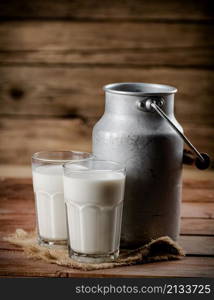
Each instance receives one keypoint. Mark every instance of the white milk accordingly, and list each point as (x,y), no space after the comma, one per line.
(48,189)
(94,203)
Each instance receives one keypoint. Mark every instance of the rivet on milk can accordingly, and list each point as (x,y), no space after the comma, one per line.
(139,129)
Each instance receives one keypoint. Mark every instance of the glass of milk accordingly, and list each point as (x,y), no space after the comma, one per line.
(48,189)
(93,193)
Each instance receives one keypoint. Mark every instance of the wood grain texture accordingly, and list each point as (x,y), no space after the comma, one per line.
(134,44)
(67,35)
(66,92)
(21,215)
(15,264)
(24,171)
(63,134)
(21,189)
(193,245)
(197,245)
(171,10)
(194,226)
(20,171)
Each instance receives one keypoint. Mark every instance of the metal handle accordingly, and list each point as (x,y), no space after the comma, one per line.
(202,161)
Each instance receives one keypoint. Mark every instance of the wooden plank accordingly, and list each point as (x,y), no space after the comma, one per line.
(187,267)
(197,210)
(13,189)
(20,189)
(104,43)
(197,245)
(168,57)
(191,176)
(10,222)
(197,195)
(15,171)
(195,226)
(192,245)
(203,179)
(198,187)
(16,264)
(25,207)
(67,92)
(109,10)
(63,134)
(45,134)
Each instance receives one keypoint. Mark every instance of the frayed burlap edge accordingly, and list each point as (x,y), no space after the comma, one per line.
(161,249)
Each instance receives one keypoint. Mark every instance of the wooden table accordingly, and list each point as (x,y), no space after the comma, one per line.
(197,234)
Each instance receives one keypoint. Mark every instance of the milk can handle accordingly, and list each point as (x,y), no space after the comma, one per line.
(202,161)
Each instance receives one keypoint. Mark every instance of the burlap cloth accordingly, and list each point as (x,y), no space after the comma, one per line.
(161,249)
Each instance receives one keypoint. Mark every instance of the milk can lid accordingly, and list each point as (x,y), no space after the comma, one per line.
(139,88)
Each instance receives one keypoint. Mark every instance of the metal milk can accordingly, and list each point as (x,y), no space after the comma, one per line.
(139,129)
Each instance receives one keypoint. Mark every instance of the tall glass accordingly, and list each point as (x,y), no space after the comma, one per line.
(93,192)
(48,190)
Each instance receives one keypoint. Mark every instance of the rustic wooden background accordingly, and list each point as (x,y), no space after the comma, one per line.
(55,56)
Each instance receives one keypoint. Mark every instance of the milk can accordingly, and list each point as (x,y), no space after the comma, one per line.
(139,130)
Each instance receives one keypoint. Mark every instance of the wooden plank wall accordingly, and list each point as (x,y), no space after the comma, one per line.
(55,56)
